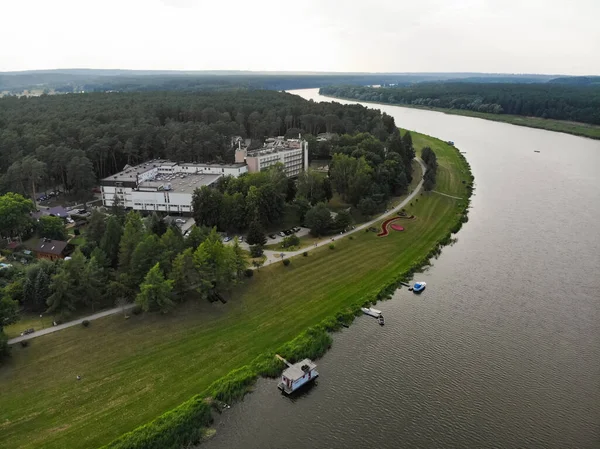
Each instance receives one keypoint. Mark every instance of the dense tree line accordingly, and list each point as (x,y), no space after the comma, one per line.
(70,140)
(561,101)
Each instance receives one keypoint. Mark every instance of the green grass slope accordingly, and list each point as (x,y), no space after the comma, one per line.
(134,370)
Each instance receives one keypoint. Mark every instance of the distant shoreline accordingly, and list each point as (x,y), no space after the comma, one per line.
(562,126)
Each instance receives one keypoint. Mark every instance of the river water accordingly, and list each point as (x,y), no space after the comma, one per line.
(502,349)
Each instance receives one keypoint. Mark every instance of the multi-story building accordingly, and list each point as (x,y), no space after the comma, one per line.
(292,153)
(161,185)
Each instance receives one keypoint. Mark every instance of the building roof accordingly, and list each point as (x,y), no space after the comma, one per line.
(295,371)
(47,246)
(131,173)
(276,145)
(179,184)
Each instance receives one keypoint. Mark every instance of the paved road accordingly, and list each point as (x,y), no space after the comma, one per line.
(49,330)
(272,257)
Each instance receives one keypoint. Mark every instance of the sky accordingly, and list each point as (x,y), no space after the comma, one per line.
(493,36)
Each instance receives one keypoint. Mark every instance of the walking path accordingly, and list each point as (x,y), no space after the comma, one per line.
(272,257)
(49,330)
(445,194)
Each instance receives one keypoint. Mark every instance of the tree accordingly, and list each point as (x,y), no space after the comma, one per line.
(342,220)
(80,174)
(8,315)
(95,282)
(156,224)
(256,234)
(146,254)
(310,186)
(367,206)
(216,264)
(63,299)
(15,217)
(96,227)
(110,240)
(206,205)
(171,244)
(51,228)
(33,171)
(256,251)
(184,273)
(196,236)
(318,219)
(155,292)
(327,189)
(133,233)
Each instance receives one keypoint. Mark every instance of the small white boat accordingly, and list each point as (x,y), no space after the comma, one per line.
(371,312)
(419,287)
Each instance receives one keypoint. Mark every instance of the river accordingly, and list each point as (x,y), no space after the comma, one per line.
(502,349)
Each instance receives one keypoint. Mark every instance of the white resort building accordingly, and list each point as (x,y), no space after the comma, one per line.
(161,185)
(292,153)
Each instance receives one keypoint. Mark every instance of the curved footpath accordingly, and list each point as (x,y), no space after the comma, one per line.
(272,257)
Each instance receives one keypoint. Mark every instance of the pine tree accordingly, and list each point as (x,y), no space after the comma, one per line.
(111,239)
(171,244)
(41,288)
(256,234)
(146,254)
(196,236)
(133,233)
(155,291)
(63,299)
(95,282)
(184,273)
(96,227)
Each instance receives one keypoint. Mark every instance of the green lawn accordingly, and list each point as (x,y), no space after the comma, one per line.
(133,370)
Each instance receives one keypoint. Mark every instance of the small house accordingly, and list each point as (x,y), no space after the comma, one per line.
(51,249)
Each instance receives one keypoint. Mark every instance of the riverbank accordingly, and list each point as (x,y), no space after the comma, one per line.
(137,369)
(575,128)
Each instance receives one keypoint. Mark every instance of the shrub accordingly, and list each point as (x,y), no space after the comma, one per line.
(249,273)
(331,246)
(136,310)
(286,262)
(289,241)
(305,254)
(351,237)
(76,231)
(25,343)
(256,250)
(85,323)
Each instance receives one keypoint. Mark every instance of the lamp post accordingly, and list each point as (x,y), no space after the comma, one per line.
(41,322)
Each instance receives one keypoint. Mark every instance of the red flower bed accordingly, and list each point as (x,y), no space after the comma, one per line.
(384,225)
(396,227)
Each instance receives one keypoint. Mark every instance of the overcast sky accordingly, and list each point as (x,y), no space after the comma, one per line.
(504,36)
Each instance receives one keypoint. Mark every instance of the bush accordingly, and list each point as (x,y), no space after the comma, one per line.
(256,251)
(305,254)
(25,343)
(85,323)
(136,310)
(351,237)
(331,246)
(286,262)
(76,231)
(289,241)
(249,273)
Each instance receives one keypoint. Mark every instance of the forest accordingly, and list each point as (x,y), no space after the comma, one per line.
(565,100)
(70,141)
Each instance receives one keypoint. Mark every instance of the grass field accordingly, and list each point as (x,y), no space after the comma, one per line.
(133,370)
(563,126)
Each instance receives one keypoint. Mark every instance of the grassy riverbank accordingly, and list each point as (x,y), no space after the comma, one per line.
(135,370)
(563,126)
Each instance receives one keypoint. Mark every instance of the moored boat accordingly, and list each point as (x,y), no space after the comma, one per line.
(380,320)
(371,312)
(419,287)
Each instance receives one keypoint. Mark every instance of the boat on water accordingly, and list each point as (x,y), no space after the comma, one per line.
(297,375)
(419,287)
(380,320)
(371,312)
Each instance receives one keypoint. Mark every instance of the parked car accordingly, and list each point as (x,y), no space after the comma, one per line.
(227,239)
(241,238)
(180,220)
(272,236)
(281,234)
(28,331)
(287,232)
(296,229)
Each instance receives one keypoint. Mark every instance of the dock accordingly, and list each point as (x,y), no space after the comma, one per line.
(371,312)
